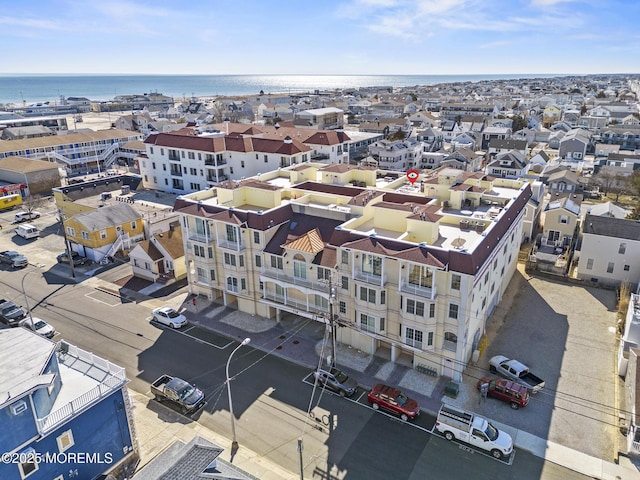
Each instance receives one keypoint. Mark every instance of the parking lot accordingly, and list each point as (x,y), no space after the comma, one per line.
(565,334)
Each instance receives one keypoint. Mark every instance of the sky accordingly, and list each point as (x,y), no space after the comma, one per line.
(312,37)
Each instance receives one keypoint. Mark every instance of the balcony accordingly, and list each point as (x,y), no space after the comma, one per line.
(370,278)
(86,380)
(418,290)
(315,285)
(176,172)
(210,162)
(229,245)
(449,345)
(174,157)
(306,307)
(199,237)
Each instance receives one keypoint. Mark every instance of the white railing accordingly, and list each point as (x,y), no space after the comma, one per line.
(116,379)
(307,307)
(371,279)
(635,447)
(317,285)
(237,246)
(418,290)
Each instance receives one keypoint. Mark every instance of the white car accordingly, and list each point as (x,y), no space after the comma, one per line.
(40,326)
(169,317)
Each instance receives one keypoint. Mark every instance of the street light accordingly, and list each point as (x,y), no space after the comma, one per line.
(234,443)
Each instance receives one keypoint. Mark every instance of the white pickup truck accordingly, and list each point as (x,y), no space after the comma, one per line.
(516,371)
(468,427)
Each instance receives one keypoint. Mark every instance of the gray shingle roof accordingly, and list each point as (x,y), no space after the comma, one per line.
(108,216)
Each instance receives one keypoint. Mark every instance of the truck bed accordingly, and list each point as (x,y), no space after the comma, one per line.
(161,382)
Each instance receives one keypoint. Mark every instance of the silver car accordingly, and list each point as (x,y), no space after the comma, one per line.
(336,380)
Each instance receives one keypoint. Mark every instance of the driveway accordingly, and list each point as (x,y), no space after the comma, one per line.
(565,333)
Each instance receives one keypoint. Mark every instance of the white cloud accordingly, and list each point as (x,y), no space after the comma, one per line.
(31,23)
(500,43)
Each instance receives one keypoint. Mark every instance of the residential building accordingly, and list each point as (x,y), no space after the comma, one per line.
(511,164)
(494,133)
(76,152)
(563,181)
(60,401)
(329,118)
(452,111)
(561,217)
(574,144)
(398,155)
(161,258)
(405,274)
(627,136)
(610,252)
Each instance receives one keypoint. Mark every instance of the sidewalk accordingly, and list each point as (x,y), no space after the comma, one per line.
(300,340)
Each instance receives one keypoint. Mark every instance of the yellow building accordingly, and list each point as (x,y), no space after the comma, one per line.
(103,231)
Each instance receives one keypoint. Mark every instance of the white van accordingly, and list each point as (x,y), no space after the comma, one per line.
(26,230)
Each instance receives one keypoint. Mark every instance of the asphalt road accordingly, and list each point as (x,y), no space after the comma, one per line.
(270,395)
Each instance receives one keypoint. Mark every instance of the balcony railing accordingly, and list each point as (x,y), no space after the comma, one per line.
(307,307)
(418,290)
(174,157)
(369,278)
(229,245)
(449,345)
(320,287)
(635,447)
(113,378)
(176,172)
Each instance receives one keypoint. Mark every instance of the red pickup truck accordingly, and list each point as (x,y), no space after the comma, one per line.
(513,393)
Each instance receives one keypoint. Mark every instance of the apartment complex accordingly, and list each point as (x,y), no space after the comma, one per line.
(414,270)
(190,159)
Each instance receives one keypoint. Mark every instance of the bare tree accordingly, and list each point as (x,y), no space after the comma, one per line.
(34,202)
(606,178)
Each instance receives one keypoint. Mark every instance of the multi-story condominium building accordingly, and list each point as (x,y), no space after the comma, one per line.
(454,111)
(627,136)
(185,161)
(77,152)
(397,155)
(65,412)
(409,274)
(328,118)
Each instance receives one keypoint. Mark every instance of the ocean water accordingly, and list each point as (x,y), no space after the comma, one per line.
(29,89)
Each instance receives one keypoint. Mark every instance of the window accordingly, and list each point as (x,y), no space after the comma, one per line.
(276,262)
(420,276)
(258,261)
(230,259)
(383,297)
(201,274)
(415,308)
(610,267)
(382,322)
(432,310)
(622,248)
(133,225)
(103,234)
(321,302)
(323,274)
(590,264)
(345,283)
(453,310)
(212,275)
(209,252)
(563,219)
(266,159)
(85,235)
(232,233)
(371,264)
(232,284)
(241,163)
(243,283)
(626,268)
(455,281)
(345,257)
(342,306)
(367,323)
(65,441)
(256,238)
(192,156)
(241,260)
(30,466)
(430,339)
(198,251)
(299,268)
(413,337)
(367,295)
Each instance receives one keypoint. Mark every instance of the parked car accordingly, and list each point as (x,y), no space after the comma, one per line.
(13,258)
(75,256)
(394,401)
(510,392)
(168,316)
(336,380)
(39,326)
(10,313)
(516,371)
(470,428)
(179,392)
(26,216)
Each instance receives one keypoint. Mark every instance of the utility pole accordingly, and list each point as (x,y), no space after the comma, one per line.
(301,465)
(332,297)
(66,243)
